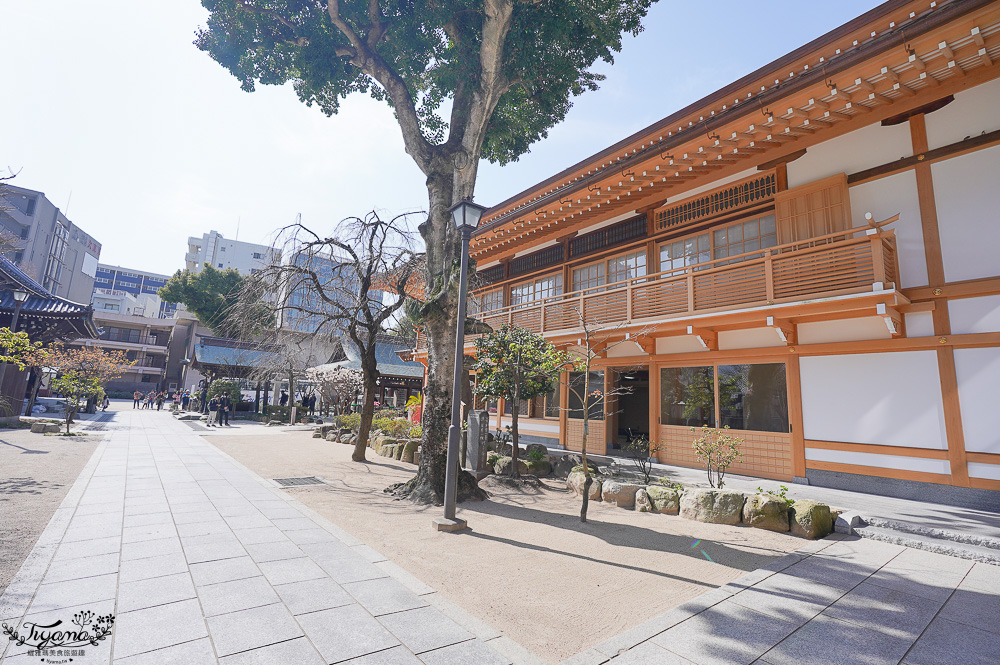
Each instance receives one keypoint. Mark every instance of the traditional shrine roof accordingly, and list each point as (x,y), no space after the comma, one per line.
(389,363)
(232,357)
(900,56)
(44,316)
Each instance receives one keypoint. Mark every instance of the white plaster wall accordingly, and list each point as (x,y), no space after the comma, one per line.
(624,350)
(844,330)
(890,399)
(881,461)
(919,324)
(525,425)
(678,344)
(749,339)
(885,197)
(988,471)
(975,315)
(978,372)
(968,205)
(861,149)
(973,112)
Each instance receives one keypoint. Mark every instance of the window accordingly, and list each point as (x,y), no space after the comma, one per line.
(29,209)
(110,307)
(258,255)
(492,301)
(750,397)
(220,265)
(678,254)
(147,378)
(522,409)
(627,266)
(747,236)
(588,277)
(595,390)
(543,287)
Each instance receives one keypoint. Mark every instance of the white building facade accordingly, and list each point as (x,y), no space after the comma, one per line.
(224,254)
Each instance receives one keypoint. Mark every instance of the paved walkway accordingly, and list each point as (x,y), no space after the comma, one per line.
(838,601)
(202,561)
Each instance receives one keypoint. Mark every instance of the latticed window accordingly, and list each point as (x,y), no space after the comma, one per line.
(543,287)
(486,302)
(748,236)
(589,277)
(678,254)
(627,266)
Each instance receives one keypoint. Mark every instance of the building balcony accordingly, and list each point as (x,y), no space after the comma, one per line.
(842,272)
(143,340)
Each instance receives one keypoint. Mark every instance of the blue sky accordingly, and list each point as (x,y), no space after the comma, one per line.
(110,108)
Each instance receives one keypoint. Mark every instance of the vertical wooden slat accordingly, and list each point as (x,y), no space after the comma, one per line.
(794,385)
(878,261)
(769,274)
(690,290)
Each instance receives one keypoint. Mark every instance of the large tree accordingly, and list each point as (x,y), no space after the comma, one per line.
(466,79)
(209,295)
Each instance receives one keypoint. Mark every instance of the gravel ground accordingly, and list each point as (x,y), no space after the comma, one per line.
(527,565)
(36,472)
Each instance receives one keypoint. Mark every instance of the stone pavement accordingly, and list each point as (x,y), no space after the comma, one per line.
(201,561)
(838,601)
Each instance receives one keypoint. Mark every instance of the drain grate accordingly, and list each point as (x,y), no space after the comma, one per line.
(298,482)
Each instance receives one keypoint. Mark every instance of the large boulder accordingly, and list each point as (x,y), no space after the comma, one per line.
(409,448)
(663,499)
(540,468)
(397,452)
(809,519)
(764,511)
(563,465)
(538,447)
(502,467)
(619,493)
(642,502)
(712,506)
(38,428)
(575,483)
(53,428)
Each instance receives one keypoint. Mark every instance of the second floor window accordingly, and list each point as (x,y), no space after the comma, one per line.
(543,287)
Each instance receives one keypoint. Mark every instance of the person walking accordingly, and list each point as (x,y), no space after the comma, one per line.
(136,399)
(225,404)
(150,396)
(160,397)
(312,404)
(185,400)
(105,403)
(204,400)
(283,400)
(212,410)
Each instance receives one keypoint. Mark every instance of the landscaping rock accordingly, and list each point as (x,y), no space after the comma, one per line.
(536,446)
(397,451)
(540,468)
(317,435)
(619,493)
(764,511)
(52,428)
(502,467)
(564,465)
(575,481)
(409,448)
(331,437)
(712,506)
(663,499)
(37,428)
(809,519)
(387,449)
(642,502)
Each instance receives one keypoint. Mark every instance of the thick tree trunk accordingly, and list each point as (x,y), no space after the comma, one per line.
(445,184)
(588,481)
(371,375)
(515,407)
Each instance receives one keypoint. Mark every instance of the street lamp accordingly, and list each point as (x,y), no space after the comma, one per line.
(466,216)
(20,295)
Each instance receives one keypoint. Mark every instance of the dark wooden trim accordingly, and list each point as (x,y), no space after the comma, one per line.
(936,105)
(774,163)
(986,140)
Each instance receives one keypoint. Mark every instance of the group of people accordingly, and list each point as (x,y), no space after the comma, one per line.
(219,408)
(146,401)
(307,402)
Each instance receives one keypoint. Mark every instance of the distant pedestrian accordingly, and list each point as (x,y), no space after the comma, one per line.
(185,400)
(283,400)
(150,396)
(160,398)
(212,409)
(105,404)
(225,406)
(204,400)
(312,405)
(136,399)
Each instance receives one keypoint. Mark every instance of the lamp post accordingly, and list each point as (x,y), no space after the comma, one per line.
(20,295)
(466,216)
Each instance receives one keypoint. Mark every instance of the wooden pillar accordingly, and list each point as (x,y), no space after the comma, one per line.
(654,405)
(564,409)
(942,322)
(797,436)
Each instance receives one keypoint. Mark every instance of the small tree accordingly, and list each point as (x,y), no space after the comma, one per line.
(516,364)
(226,387)
(642,452)
(80,373)
(209,295)
(717,449)
(337,385)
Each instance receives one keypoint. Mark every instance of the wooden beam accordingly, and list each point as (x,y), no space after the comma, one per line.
(891,317)
(709,339)
(785,329)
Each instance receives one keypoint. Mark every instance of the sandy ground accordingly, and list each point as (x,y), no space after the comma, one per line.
(527,565)
(36,472)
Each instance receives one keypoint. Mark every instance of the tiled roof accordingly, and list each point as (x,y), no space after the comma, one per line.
(41,304)
(389,364)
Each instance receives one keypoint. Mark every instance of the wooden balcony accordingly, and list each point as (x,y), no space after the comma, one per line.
(854,261)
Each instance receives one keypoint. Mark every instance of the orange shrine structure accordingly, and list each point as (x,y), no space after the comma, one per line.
(809,256)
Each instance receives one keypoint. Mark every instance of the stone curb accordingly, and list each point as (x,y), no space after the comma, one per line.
(608,649)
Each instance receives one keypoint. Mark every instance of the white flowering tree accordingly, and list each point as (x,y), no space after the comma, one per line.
(337,386)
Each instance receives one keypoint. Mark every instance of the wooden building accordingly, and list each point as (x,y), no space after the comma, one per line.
(808,255)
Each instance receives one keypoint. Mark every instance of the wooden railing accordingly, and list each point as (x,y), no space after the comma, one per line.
(844,262)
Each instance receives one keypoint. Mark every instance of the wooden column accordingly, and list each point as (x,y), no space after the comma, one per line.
(654,405)
(794,385)
(563,409)
(942,323)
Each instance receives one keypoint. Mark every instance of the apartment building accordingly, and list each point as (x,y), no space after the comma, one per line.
(143,286)
(223,254)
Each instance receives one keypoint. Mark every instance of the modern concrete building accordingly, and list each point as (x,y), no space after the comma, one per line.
(304,308)
(222,254)
(142,285)
(41,241)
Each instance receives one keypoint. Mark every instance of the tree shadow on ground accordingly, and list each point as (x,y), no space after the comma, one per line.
(24,451)
(10,486)
(630,536)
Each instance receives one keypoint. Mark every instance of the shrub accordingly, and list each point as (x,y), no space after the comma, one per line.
(492,459)
(535,455)
(416,431)
(643,453)
(782,491)
(666,482)
(350,421)
(717,449)
(230,388)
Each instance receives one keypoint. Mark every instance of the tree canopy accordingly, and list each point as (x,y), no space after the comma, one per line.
(420,55)
(208,294)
